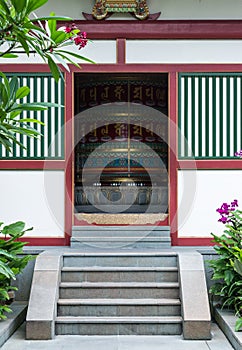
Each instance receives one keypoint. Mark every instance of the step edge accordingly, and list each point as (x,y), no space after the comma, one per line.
(120,254)
(119,285)
(121,319)
(118,269)
(106,301)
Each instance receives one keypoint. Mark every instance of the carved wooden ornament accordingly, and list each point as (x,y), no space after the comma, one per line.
(103,8)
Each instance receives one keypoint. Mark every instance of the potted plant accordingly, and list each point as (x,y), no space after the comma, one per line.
(12,261)
(227,269)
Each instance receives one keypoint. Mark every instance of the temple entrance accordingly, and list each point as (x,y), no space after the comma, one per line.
(121,143)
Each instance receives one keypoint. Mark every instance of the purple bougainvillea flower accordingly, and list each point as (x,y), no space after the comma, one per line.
(223,219)
(225,211)
(238,154)
(234,203)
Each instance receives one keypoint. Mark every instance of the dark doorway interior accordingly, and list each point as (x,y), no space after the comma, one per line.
(121,151)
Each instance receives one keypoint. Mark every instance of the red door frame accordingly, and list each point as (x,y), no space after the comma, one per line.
(174,163)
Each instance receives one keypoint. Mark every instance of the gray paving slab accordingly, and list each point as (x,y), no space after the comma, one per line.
(18,342)
(226,320)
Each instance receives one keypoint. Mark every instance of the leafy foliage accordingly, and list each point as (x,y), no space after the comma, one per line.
(22,33)
(227,269)
(12,260)
(11,108)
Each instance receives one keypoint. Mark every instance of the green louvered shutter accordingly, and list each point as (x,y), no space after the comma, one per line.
(51,144)
(210,115)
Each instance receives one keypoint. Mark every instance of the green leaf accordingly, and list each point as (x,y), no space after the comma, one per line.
(14,84)
(4,98)
(61,60)
(5,7)
(35,4)
(22,39)
(26,130)
(5,142)
(238,325)
(22,92)
(228,277)
(54,69)
(57,18)
(238,266)
(31,120)
(58,37)
(9,55)
(14,228)
(19,5)
(6,271)
(14,114)
(29,107)
(52,25)
(5,82)
(6,254)
(76,56)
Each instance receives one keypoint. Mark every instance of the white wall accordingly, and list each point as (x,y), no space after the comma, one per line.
(100,51)
(200,193)
(184,51)
(35,197)
(170,9)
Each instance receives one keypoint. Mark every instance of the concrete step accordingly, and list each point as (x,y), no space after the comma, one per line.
(107,237)
(69,290)
(120,242)
(122,238)
(124,231)
(119,274)
(113,259)
(119,325)
(119,307)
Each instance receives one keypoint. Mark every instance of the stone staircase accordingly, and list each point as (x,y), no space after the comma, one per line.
(119,293)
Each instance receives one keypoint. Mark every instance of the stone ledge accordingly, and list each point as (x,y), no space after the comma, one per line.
(43,296)
(14,320)
(194,297)
(226,321)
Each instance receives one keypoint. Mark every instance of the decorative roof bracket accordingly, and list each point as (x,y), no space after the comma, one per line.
(105,8)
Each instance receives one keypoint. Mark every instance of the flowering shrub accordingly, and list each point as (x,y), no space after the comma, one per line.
(227,269)
(226,211)
(79,38)
(238,154)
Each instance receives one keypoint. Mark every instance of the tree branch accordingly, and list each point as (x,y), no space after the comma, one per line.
(8,50)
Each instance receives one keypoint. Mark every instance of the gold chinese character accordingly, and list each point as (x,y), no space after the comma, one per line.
(138,93)
(137,130)
(149,93)
(93,129)
(104,95)
(93,93)
(119,128)
(104,131)
(118,91)
(83,94)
